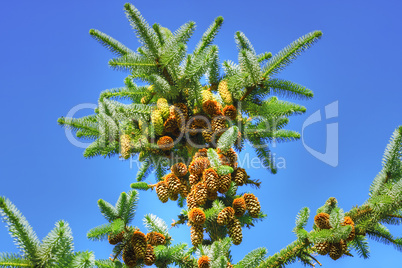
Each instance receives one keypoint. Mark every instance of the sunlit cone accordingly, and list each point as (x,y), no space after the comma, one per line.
(157,121)
(239,206)
(173,183)
(348,221)
(225,216)
(197,234)
(343,245)
(322,248)
(193,179)
(207,134)
(235,231)
(155,239)
(196,216)
(129,256)
(165,143)
(203,262)
(240,176)
(211,179)
(125,146)
(170,125)
(162,191)
(191,203)
(225,93)
(218,124)
(198,165)
(321,220)
(201,153)
(114,239)
(179,169)
(150,257)
(335,251)
(230,111)
(163,106)
(200,193)
(206,95)
(184,188)
(211,107)
(224,183)
(139,243)
(252,204)
(228,158)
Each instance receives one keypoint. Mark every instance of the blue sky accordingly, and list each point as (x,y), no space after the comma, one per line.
(50,64)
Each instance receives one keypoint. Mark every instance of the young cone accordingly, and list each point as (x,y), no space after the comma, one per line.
(196,216)
(157,121)
(125,146)
(163,107)
(165,143)
(149,258)
(321,220)
(225,216)
(203,262)
(252,204)
(235,231)
(225,93)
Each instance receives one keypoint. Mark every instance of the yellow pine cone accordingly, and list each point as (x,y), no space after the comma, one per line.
(252,204)
(321,220)
(197,234)
(225,216)
(235,231)
(150,257)
(125,146)
(157,121)
(225,93)
(203,262)
(200,191)
(206,95)
(163,106)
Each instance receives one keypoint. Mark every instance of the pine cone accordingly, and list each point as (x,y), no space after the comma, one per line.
(197,234)
(212,195)
(252,204)
(235,231)
(200,193)
(211,179)
(228,158)
(170,125)
(155,239)
(218,124)
(165,143)
(207,134)
(203,262)
(173,184)
(230,111)
(240,176)
(150,257)
(225,93)
(335,251)
(321,220)
(196,216)
(224,183)
(197,124)
(239,206)
(191,203)
(179,169)
(180,112)
(163,107)
(229,265)
(125,146)
(157,122)
(184,188)
(348,221)
(193,179)
(322,248)
(139,243)
(211,107)
(173,197)
(162,191)
(206,95)
(114,239)
(201,153)
(129,256)
(225,216)
(198,165)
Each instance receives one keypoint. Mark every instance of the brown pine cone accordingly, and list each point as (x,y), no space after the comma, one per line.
(197,124)
(224,183)
(240,176)
(184,188)
(211,107)
(348,221)
(211,179)
(218,125)
(203,262)
(322,248)
(155,239)
(252,204)
(225,216)
(212,195)
(191,203)
(173,184)
(129,256)
(200,193)
(228,158)
(162,191)
(170,125)
(139,243)
(193,179)
(198,165)
(230,111)
(197,234)
(207,134)
(321,220)
(179,169)
(335,251)
(235,231)
(201,153)
(150,257)
(114,239)
(239,206)
(196,216)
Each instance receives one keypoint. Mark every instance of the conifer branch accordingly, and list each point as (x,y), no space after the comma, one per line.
(110,43)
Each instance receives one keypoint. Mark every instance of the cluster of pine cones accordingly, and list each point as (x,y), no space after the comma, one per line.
(170,122)
(138,246)
(335,250)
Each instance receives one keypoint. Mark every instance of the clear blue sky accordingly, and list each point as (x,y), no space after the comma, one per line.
(50,64)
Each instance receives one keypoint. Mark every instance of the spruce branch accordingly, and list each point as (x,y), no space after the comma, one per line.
(110,43)
(208,36)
